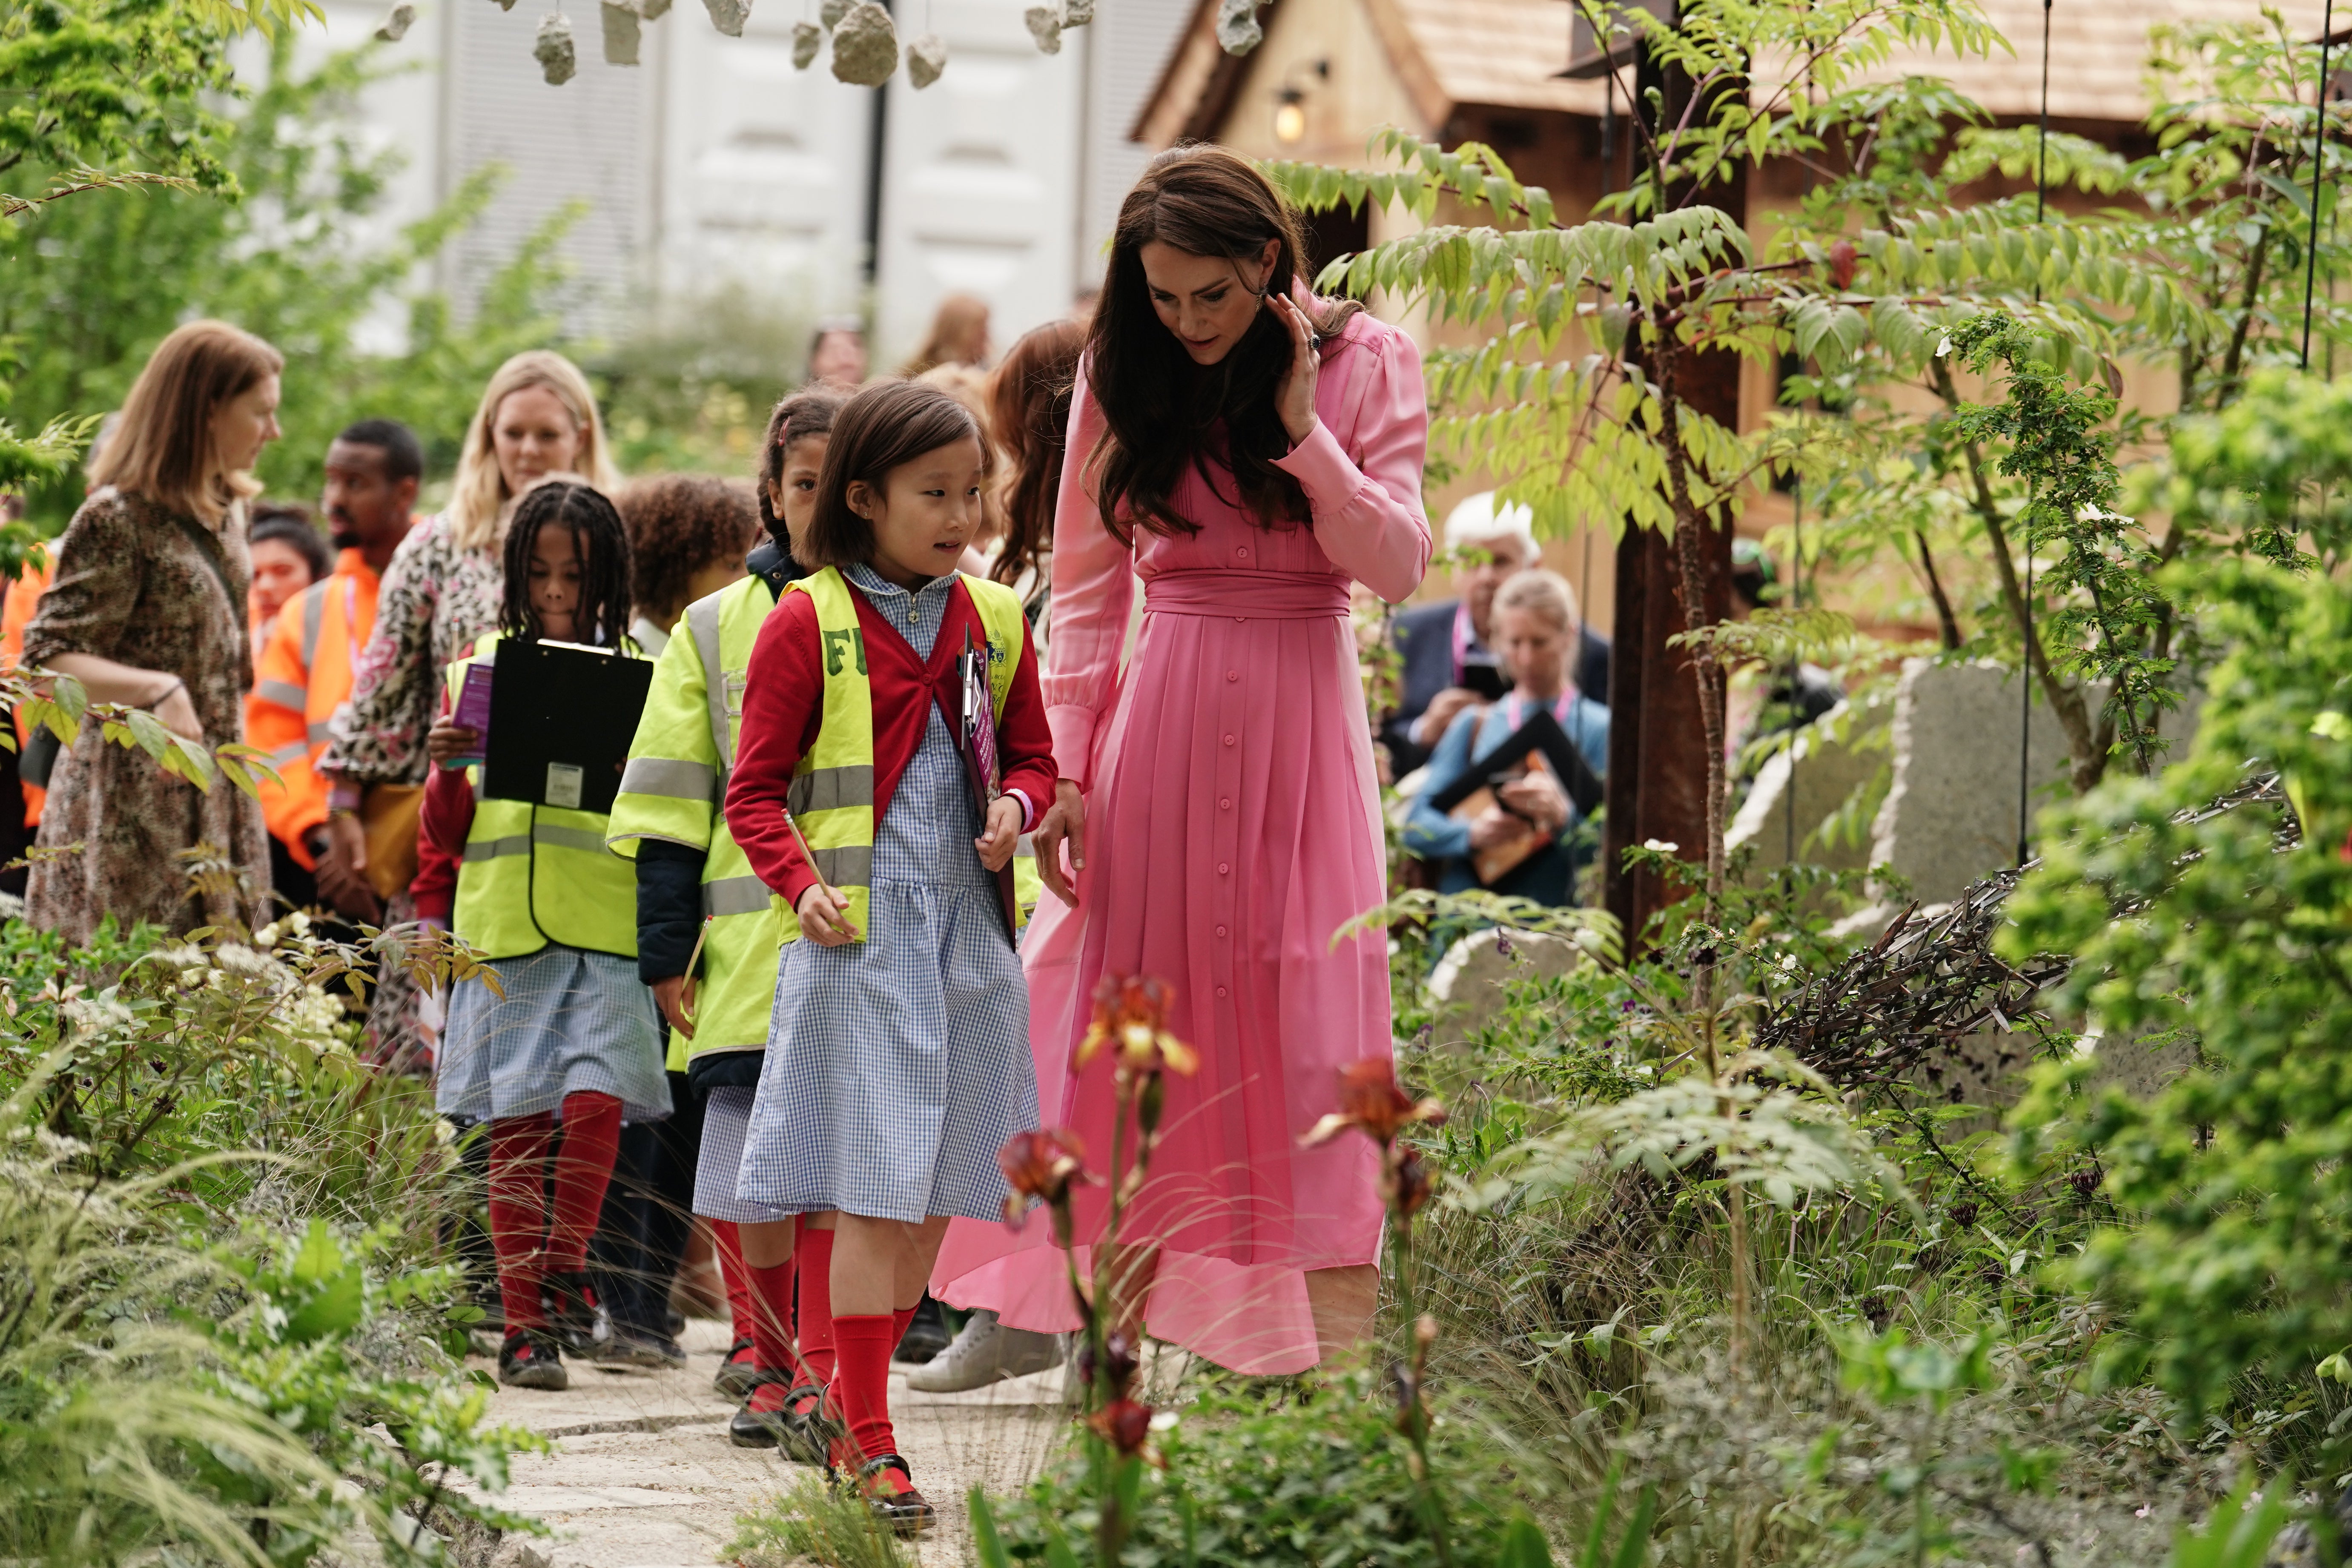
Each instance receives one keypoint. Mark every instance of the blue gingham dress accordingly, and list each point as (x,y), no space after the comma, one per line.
(569,1021)
(897,1066)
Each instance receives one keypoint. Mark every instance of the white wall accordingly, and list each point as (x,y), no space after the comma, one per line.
(980,175)
(715,161)
(589,140)
(763,173)
(1129,42)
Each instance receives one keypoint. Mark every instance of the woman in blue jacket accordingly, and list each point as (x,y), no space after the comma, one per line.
(1535,628)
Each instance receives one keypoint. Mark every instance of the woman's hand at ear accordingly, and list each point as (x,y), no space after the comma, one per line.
(1294,399)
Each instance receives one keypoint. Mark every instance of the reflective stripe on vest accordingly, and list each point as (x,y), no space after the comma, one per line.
(835,779)
(702,618)
(530,875)
(314,615)
(672,788)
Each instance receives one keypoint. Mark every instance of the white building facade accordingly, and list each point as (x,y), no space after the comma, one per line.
(715,162)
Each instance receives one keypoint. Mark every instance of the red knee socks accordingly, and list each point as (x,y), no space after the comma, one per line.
(772,1334)
(583,1168)
(727,1242)
(813,1263)
(517,1211)
(861,1384)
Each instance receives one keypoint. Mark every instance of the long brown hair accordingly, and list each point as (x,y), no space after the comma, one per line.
(1160,409)
(162,447)
(1029,413)
(888,424)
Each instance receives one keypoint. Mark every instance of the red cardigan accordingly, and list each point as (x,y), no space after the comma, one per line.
(783,705)
(445,818)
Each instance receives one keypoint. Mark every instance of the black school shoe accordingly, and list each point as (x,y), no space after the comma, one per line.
(529,1359)
(798,1428)
(925,1337)
(739,1374)
(896,1503)
(580,1323)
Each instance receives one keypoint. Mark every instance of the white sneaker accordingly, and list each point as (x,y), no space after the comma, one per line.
(986,1351)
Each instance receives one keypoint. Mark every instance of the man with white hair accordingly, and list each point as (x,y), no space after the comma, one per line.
(1444,645)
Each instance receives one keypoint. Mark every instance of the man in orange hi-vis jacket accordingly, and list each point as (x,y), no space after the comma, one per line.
(17,604)
(372,471)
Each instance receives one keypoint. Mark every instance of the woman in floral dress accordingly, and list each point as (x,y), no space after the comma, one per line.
(538,417)
(147,609)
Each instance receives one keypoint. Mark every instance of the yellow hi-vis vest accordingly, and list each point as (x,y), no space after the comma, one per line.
(536,874)
(674,787)
(832,793)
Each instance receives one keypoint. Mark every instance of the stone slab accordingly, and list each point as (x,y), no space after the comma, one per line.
(643,1475)
(1831,759)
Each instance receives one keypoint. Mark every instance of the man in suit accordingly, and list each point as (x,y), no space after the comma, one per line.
(1443,647)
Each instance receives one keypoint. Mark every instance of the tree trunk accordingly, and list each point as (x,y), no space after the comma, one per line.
(1660,775)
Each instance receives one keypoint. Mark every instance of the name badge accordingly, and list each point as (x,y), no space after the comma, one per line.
(563,785)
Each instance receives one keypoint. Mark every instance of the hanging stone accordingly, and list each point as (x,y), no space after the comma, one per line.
(807,38)
(504,4)
(1238,29)
(729,15)
(1076,13)
(927,56)
(653,10)
(557,58)
(621,24)
(397,22)
(864,46)
(1045,24)
(831,12)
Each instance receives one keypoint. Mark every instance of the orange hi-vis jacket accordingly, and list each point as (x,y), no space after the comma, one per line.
(17,608)
(305,673)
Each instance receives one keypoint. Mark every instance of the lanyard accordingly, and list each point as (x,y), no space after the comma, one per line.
(1463,639)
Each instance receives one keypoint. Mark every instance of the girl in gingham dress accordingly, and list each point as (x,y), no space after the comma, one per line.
(899,1059)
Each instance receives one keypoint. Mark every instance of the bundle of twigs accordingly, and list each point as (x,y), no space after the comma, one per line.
(1896,1012)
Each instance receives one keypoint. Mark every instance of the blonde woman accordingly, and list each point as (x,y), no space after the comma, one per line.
(147,608)
(538,417)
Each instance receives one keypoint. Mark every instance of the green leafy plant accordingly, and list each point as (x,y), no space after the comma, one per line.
(2228,1257)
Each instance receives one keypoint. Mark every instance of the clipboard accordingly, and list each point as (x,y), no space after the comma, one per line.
(1540,732)
(562,718)
(972,722)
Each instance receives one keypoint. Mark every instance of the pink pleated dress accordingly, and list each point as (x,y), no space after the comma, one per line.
(1232,828)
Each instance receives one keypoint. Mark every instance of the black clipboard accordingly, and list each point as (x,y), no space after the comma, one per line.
(972,719)
(1540,732)
(562,718)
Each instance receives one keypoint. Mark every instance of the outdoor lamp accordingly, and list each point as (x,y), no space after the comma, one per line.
(1289,115)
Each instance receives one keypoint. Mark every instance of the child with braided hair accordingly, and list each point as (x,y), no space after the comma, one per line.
(569,1036)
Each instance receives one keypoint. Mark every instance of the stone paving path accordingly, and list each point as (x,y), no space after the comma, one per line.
(643,1475)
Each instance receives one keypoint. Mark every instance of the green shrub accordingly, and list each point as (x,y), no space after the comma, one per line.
(1321,1478)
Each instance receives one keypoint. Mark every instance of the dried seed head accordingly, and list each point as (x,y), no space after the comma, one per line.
(558,61)
(864,46)
(621,24)
(1238,29)
(927,56)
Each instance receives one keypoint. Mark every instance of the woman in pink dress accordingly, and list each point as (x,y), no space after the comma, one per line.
(1246,451)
